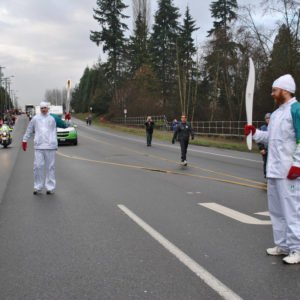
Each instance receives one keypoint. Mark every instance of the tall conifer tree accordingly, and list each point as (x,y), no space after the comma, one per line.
(221,60)
(109,16)
(138,45)
(163,47)
(186,51)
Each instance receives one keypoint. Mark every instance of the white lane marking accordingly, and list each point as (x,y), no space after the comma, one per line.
(233,214)
(263,213)
(170,146)
(202,273)
(193,193)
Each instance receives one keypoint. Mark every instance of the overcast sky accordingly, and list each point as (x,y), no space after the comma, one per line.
(45,43)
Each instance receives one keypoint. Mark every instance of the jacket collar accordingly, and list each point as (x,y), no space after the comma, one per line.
(290,102)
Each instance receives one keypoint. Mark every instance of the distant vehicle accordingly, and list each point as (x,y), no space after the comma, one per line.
(30,110)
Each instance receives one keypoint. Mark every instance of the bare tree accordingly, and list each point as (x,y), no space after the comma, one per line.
(259,36)
(56,96)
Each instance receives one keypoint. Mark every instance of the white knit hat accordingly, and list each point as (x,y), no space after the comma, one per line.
(285,82)
(44,104)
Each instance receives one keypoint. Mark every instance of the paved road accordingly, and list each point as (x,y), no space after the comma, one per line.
(128,222)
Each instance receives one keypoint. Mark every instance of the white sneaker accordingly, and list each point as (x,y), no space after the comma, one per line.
(292,258)
(277,251)
(185,163)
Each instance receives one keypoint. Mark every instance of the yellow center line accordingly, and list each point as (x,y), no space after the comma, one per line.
(137,167)
(252,182)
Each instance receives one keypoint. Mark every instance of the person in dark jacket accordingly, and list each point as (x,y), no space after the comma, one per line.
(182,133)
(263,148)
(149,124)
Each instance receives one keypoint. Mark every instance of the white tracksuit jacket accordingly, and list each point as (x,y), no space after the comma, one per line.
(44,129)
(283,139)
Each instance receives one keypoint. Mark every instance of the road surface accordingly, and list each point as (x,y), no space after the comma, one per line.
(128,222)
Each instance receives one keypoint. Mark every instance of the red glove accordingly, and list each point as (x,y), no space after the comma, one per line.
(294,173)
(248,129)
(24,146)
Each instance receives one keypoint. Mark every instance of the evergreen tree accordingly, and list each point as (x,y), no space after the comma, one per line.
(285,56)
(222,59)
(186,51)
(163,47)
(5,100)
(138,46)
(109,16)
(224,13)
(92,91)
(82,104)
(284,59)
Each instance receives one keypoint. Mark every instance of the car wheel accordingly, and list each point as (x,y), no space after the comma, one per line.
(75,142)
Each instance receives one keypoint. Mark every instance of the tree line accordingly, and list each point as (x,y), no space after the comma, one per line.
(162,69)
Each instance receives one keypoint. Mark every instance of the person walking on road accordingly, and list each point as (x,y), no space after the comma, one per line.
(43,126)
(149,124)
(263,148)
(182,133)
(283,169)
(89,120)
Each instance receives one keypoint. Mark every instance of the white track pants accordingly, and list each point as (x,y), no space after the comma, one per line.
(44,164)
(284,207)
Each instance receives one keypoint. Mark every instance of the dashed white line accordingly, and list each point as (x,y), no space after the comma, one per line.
(193,193)
(202,273)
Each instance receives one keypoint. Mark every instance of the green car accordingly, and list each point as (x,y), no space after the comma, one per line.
(67,135)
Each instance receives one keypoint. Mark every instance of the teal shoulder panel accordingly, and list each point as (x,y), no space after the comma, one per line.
(59,122)
(295,110)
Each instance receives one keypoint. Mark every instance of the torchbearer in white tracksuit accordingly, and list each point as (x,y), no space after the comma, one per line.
(43,126)
(283,169)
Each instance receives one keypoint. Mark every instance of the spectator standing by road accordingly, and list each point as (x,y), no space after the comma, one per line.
(43,126)
(183,132)
(174,125)
(149,124)
(283,169)
(263,148)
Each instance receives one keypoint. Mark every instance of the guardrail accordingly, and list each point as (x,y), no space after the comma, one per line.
(208,128)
